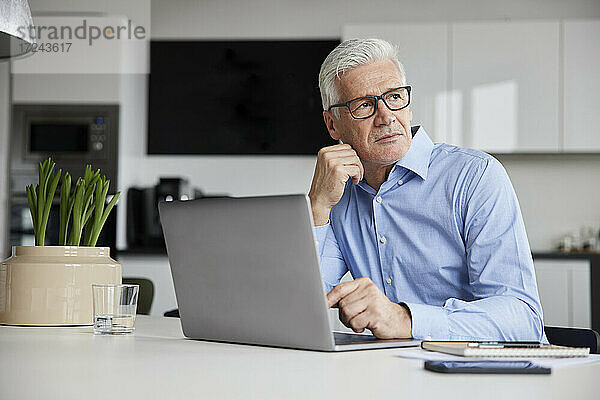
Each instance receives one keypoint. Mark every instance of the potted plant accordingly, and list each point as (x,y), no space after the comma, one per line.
(52,285)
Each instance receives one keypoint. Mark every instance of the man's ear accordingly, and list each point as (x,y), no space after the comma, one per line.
(329,119)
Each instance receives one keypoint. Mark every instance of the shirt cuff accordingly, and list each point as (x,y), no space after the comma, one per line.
(429,322)
(321,234)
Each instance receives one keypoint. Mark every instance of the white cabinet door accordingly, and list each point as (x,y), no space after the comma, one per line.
(505,80)
(158,270)
(581,296)
(582,85)
(424,53)
(564,287)
(4,153)
(553,287)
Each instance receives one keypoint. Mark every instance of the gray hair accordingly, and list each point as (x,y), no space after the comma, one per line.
(348,55)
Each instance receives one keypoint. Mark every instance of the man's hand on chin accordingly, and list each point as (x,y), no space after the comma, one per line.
(362,305)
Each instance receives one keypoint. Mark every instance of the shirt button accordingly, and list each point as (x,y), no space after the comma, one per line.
(379,199)
(400,182)
(383,239)
(389,280)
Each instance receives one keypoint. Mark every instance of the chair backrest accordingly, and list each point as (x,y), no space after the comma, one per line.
(172,313)
(573,337)
(145,295)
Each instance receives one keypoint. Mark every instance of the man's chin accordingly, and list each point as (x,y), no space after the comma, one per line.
(381,161)
(389,157)
(383,155)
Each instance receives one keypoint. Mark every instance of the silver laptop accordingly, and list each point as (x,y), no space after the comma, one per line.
(246,271)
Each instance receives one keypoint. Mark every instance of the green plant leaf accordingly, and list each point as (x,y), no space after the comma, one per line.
(90,179)
(41,203)
(77,227)
(105,215)
(65,211)
(53,183)
(45,194)
(88,224)
(32,200)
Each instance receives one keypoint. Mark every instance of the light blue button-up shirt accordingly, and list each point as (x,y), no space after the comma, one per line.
(445,236)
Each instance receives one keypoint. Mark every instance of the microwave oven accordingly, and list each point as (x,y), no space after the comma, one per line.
(65,131)
(72,134)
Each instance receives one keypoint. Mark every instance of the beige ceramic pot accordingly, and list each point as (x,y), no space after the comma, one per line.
(52,285)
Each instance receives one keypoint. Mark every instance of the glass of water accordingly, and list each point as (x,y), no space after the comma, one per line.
(114,308)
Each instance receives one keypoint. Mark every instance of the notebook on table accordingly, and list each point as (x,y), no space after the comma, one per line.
(504,349)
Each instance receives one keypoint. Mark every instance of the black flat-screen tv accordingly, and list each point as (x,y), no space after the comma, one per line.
(236,97)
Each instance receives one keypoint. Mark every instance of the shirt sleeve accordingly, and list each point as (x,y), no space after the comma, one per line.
(333,266)
(506,303)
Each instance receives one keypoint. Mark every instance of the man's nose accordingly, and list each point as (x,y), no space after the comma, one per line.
(383,115)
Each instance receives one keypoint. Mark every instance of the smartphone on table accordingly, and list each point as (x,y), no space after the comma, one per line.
(486,367)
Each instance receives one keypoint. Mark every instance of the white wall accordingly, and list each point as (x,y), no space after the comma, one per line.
(534,178)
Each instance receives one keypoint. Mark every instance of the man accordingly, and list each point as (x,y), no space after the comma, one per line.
(432,233)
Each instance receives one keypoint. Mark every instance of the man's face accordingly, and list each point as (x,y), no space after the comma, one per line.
(383,138)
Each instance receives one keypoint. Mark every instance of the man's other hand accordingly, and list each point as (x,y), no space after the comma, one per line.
(335,165)
(363,306)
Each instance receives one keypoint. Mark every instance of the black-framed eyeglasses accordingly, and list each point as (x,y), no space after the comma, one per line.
(366,106)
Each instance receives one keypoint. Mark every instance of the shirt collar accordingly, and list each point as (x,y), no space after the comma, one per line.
(418,155)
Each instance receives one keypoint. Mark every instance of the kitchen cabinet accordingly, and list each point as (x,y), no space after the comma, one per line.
(506,79)
(424,52)
(581,86)
(489,85)
(4,140)
(156,268)
(565,291)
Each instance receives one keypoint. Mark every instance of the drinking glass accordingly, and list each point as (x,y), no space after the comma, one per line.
(114,309)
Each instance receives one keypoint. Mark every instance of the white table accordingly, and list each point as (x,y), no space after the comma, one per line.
(159,363)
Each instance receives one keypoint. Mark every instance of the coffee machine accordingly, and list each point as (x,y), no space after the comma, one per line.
(144,231)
